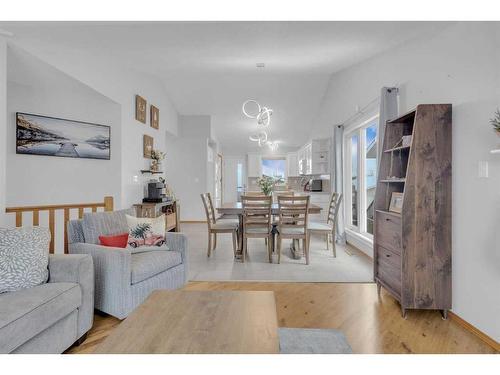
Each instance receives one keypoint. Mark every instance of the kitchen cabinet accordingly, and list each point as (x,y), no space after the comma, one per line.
(314,157)
(254,165)
(320,156)
(304,159)
(308,156)
(292,164)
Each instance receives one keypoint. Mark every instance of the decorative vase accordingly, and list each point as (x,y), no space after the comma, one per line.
(155,165)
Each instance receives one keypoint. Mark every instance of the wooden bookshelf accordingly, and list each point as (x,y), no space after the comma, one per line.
(412,250)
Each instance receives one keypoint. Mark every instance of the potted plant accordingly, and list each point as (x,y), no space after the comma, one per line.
(156,158)
(267,183)
(495,122)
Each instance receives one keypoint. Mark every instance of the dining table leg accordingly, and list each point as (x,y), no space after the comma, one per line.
(239,251)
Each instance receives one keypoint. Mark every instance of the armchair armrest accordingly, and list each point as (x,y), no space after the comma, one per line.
(112,267)
(178,242)
(76,269)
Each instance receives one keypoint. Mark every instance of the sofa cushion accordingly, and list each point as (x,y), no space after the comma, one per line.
(26,313)
(24,257)
(96,224)
(148,264)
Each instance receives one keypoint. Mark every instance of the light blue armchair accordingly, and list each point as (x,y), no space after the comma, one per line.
(124,278)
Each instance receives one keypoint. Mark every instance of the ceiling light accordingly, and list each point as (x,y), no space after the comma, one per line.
(261,137)
(245,108)
(264,117)
(262,114)
(273,145)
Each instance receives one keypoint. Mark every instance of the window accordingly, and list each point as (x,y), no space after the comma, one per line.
(274,167)
(361,176)
(354,180)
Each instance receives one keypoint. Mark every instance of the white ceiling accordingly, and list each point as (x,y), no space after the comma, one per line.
(209,67)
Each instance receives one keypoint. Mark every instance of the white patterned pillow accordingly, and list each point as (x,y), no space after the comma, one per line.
(24,258)
(145,231)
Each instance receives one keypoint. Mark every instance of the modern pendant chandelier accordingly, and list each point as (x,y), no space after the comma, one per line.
(260,137)
(252,109)
(262,114)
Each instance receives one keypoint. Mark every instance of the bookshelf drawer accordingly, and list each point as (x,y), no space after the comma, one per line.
(388,232)
(389,268)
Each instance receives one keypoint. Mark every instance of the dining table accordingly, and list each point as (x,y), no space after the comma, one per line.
(236,209)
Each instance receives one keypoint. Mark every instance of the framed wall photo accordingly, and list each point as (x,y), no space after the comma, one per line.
(148,143)
(52,136)
(155,117)
(396,202)
(140,109)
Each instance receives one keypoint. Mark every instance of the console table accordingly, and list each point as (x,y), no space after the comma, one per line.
(171,210)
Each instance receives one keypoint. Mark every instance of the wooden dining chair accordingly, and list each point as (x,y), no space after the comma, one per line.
(292,221)
(328,228)
(257,221)
(218,226)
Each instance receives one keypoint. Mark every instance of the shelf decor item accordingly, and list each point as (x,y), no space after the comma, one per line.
(156,158)
(155,117)
(147,146)
(268,183)
(51,136)
(396,204)
(140,109)
(406,141)
(495,122)
(412,228)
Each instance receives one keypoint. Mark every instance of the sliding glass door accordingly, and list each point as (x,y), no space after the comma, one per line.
(361,176)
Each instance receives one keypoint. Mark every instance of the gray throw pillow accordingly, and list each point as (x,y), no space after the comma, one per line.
(24,258)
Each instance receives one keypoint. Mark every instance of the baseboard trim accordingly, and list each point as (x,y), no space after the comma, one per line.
(469,327)
(193,221)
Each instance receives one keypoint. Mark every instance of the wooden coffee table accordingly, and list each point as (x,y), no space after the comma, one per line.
(198,322)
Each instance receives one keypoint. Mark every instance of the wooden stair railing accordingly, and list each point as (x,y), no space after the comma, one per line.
(35,210)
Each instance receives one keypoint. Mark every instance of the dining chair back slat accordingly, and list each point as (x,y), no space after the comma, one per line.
(209,208)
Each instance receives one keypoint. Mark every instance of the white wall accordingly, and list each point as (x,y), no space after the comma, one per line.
(187,166)
(38,88)
(3,126)
(121,86)
(458,66)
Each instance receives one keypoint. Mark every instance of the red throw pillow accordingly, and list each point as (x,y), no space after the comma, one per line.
(119,240)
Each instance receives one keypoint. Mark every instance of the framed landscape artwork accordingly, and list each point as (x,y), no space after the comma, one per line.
(140,109)
(52,136)
(155,117)
(147,146)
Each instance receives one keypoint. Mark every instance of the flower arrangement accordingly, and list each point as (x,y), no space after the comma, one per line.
(495,121)
(156,157)
(267,183)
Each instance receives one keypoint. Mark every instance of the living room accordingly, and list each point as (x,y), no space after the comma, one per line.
(249,187)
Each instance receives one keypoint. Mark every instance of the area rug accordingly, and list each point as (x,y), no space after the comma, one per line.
(313,341)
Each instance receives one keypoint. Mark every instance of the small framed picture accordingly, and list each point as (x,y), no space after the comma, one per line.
(396,202)
(406,140)
(155,117)
(140,109)
(147,146)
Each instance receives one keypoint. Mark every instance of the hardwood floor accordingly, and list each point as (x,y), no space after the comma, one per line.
(371,324)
